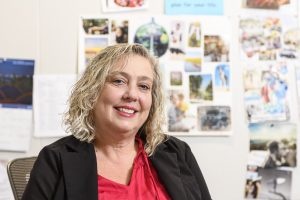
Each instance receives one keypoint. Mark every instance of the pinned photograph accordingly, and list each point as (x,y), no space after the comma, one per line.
(266,4)
(253,183)
(123,5)
(119,31)
(263,4)
(251,79)
(201,87)
(175,78)
(275,184)
(95,26)
(291,44)
(154,37)
(297,74)
(214,118)
(16,83)
(260,38)
(177,41)
(267,93)
(216,49)
(92,46)
(268,184)
(194,35)
(192,62)
(178,109)
(222,77)
(265,55)
(279,141)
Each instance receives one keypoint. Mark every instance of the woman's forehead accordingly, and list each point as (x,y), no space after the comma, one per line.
(121,63)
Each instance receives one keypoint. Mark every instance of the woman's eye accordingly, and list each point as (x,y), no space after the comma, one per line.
(145,87)
(118,81)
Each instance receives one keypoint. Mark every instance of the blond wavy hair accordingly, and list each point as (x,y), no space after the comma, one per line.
(79,118)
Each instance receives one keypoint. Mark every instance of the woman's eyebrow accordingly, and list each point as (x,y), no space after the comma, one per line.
(126,75)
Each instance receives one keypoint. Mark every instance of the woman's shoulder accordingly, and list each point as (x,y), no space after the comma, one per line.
(174,140)
(173,144)
(61,142)
(67,143)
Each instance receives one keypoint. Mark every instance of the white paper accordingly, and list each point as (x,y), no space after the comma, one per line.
(50,97)
(16,127)
(5,189)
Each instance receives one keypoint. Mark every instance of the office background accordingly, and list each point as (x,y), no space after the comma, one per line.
(47,31)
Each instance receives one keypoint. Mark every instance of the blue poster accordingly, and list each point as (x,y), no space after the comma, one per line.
(16,80)
(194,7)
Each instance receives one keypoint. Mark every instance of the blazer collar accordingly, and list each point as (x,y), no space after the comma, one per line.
(80,170)
(166,165)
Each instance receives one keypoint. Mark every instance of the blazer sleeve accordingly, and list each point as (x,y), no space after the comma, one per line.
(44,177)
(193,165)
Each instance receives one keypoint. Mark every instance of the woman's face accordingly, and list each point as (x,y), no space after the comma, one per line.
(125,102)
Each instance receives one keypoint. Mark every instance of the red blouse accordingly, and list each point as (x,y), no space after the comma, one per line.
(144,183)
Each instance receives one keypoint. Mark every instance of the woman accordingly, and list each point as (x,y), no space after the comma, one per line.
(117,149)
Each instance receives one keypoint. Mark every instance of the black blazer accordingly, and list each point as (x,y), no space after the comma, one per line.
(67,170)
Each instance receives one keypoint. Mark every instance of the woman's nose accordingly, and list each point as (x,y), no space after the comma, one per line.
(131,94)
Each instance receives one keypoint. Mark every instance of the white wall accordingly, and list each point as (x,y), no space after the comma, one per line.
(47,32)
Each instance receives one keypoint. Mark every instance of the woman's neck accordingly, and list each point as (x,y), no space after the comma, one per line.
(115,157)
(117,144)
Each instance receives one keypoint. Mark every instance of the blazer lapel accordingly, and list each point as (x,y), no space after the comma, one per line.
(80,172)
(167,168)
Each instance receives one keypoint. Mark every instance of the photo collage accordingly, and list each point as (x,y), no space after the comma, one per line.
(269,47)
(194,59)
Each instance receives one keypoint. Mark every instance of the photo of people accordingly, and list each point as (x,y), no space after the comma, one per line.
(175,78)
(222,76)
(192,62)
(93,46)
(177,39)
(177,112)
(216,49)
(214,118)
(16,83)
(278,140)
(194,34)
(201,87)
(119,31)
(95,26)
